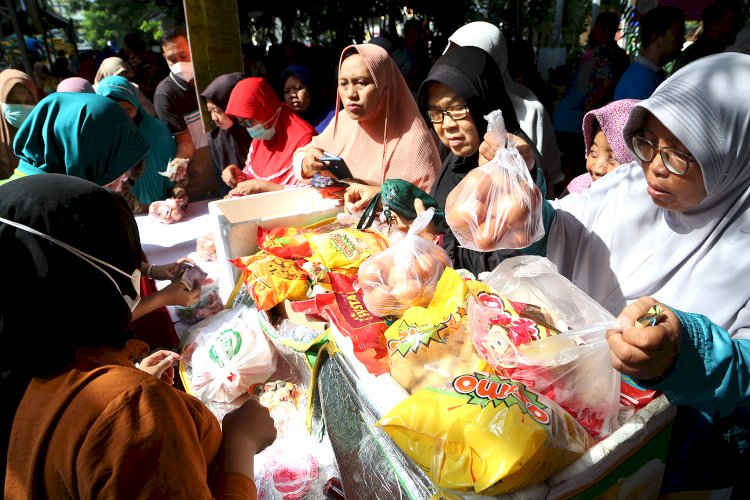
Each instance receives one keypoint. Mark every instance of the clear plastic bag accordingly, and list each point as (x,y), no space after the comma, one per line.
(404,275)
(496,206)
(572,368)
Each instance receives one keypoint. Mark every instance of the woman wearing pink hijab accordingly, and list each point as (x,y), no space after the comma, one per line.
(378,129)
(76,84)
(605,146)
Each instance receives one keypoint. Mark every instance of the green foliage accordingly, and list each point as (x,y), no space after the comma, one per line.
(105,20)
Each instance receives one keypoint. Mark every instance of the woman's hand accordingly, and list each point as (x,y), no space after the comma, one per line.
(254,186)
(247,430)
(232,176)
(161,365)
(176,294)
(490,145)
(358,196)
(647,352)
(311,162)
(170,271)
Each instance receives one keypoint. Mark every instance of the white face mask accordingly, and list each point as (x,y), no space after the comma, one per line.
(16,114)
(184,70)
(135,278)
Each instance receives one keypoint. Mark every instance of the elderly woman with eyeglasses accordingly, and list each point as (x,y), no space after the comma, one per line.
(463,86)
(671,229)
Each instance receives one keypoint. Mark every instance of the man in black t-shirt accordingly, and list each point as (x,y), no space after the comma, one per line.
(176,105)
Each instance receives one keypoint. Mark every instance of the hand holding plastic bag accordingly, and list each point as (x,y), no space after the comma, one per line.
(496,206)
(405,275)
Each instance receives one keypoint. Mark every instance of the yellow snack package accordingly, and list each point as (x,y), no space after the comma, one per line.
(344,248)
(429,345)
(271,280)
(487,434)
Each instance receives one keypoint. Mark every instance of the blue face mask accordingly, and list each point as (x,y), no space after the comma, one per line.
(15,114)
(262,133)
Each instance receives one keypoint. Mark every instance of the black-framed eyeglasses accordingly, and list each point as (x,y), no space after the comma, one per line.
(676,161)
(242,122)
(457,112)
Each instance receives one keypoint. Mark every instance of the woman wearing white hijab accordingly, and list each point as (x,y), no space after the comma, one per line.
(674,228)
(530,112)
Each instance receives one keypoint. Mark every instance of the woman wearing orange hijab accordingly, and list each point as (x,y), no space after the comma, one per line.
(380,134)
(18,95)
(276,132)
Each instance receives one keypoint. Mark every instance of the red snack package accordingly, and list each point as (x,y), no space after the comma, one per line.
(631,394)
(285,242)
(347,312)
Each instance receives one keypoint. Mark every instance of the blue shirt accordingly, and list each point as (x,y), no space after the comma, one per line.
(639,81)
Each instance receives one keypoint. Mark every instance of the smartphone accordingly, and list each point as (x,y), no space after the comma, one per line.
(336,165)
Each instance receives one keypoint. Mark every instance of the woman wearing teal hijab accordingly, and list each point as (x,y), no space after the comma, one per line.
(151,186)
(83,135)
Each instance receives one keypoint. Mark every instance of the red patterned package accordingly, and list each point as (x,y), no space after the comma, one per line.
(346,311)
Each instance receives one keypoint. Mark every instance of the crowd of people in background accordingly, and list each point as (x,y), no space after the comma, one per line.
(408,107)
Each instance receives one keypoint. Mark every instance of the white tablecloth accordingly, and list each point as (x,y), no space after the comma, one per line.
(165,243)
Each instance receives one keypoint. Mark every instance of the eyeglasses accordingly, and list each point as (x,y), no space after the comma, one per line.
(242,122)
(457,112)
(676,161)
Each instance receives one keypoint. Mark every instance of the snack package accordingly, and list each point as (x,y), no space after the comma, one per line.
(344,248)
(345,309)
(428,346)
(285,242)
(405,275)
(497,205)
(226,354)
(486,434)
(571,367)
(205,246)
(167,211)
(270,279)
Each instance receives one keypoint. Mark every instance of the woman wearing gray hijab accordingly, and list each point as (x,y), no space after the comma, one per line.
(671,230)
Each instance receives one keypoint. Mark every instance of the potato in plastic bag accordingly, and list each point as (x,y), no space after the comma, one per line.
(405,275)
(488,434)
(429,346)
(497,205)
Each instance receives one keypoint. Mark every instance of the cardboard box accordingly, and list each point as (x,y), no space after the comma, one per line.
(236,221)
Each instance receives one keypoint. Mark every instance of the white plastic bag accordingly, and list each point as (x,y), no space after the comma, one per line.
(226,354)
(404,275)
(496,206)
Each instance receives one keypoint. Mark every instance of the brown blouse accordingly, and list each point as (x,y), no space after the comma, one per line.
(104,429)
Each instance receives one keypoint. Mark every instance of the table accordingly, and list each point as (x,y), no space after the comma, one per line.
(165,243)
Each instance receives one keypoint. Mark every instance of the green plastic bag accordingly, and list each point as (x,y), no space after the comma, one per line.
(397,196)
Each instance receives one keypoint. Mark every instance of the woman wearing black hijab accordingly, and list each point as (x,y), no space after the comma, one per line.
(77,419)
(463,86)
(229,142)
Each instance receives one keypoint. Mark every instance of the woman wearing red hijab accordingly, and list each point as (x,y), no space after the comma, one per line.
(277,131)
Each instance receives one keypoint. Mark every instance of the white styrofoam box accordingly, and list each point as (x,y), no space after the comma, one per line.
(236,221)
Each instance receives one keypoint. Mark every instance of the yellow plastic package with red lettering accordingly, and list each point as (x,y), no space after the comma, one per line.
(271,280)
(486,434)
(429,345)
(344,248)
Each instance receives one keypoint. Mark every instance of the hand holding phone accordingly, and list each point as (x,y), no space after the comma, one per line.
(336,165)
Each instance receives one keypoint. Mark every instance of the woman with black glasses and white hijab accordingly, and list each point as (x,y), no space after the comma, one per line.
(672,228)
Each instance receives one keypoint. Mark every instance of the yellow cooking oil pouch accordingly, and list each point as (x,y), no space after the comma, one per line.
(344,248)
(485,434)
(429,345)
